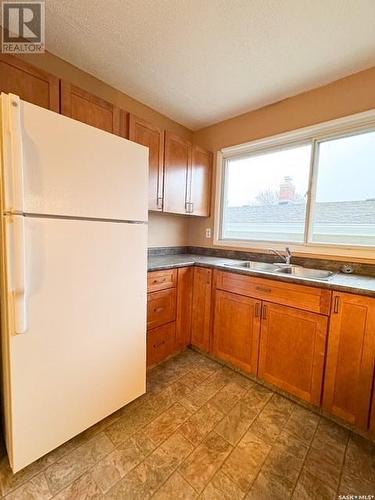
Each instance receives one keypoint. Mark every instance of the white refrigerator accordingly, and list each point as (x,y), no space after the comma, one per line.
(73,282)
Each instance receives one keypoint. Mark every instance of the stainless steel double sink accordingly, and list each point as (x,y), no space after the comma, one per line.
(282,268)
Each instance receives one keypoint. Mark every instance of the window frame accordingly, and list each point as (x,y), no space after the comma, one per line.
(314,135)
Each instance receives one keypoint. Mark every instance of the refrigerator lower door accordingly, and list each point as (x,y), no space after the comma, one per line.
(82,352)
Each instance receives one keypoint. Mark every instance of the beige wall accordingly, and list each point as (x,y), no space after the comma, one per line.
(164,230)
(343,97)
(167,230)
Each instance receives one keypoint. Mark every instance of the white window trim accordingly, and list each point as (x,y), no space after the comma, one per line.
(322,131)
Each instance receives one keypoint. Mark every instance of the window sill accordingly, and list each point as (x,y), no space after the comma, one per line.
(331,252)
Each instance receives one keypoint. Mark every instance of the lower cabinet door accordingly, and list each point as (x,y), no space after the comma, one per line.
(184,304)
(350,359)
(201,309)
(292,350)
(160,343)
(237,329)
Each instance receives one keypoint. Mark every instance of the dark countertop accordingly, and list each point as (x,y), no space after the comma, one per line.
(351,283)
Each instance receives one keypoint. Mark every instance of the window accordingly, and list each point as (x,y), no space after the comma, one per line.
(265,195)
(344,205)
(310,191)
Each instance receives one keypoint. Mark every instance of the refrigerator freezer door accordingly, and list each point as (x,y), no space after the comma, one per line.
(82,355)
(58,166)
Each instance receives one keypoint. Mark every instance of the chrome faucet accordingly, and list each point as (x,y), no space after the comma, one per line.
(287,258)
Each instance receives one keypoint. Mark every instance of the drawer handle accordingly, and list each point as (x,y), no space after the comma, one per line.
(158,281)
(263,289)
(158,309)
(159,344)
(336,304)
(257,310)
(264,313)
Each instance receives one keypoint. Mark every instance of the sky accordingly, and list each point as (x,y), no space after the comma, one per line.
(346,171)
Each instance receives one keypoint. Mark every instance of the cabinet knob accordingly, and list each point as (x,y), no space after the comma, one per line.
(159,344)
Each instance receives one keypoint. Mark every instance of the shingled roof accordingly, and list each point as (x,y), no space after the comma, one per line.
(343,212)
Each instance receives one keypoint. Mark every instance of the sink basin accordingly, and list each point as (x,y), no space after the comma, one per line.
(306,272)
(257,266)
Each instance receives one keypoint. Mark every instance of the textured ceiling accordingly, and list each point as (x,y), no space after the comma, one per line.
(201,61)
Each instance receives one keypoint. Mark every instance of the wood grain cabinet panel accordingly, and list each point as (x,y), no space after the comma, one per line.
(152,137)
(292,350)
(160,280)
(177,174)
(236,330)
(29,83)
(201,310)
(299,296)
(201,178)
(160,343)
(350,358)
(161,307)
(87,108)
(184,307)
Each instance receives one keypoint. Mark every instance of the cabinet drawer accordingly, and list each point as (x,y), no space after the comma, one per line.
(161,307)
(160,280)
(299,296)
(160,343)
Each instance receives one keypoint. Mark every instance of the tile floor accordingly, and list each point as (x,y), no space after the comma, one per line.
(202,431)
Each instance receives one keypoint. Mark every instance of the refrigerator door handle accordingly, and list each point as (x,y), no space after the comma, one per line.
(13,153)
(18,270)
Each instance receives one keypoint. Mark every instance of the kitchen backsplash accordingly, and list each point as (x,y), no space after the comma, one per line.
(331,265)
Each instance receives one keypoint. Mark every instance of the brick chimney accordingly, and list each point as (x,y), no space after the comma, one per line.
(287,192)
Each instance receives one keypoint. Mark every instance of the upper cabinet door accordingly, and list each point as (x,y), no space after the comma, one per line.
(201,182)
(350,358)
(177,174)
(87,108)
(146,134)
(30,84)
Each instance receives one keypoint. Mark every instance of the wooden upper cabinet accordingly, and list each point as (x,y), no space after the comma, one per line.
(201,310)
(29,83)
(87,108)
(184,307)
(236,330)
(350,358)
(146,134)
(292,350)
(201,177)
(177,174)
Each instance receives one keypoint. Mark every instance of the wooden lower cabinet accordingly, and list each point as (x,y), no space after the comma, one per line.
(201,309)
(184,307)
(161,307)
(236,330)
(292,350)
(160,343)
(350,359)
